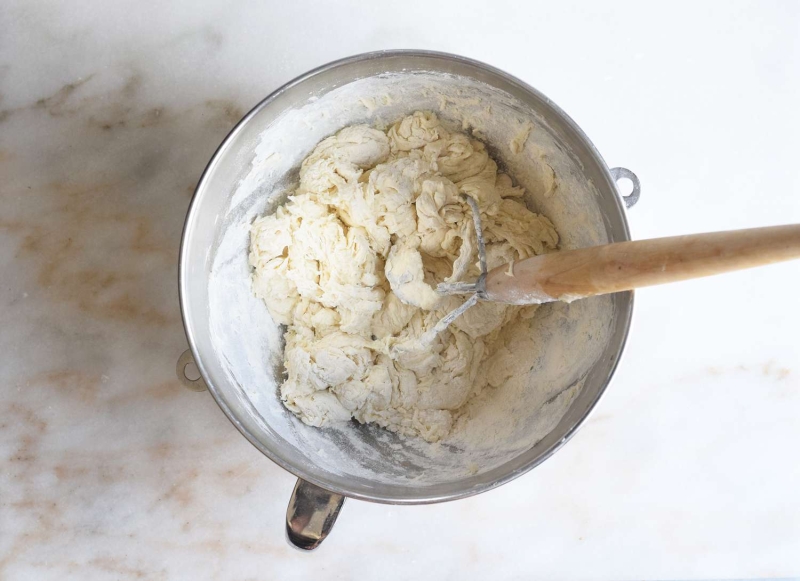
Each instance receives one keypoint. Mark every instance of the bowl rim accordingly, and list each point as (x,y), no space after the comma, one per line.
(298,471)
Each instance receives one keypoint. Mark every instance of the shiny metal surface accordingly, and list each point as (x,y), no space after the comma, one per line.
(311,515)
(619,173)
(185,360)
(479,286)
(225,168)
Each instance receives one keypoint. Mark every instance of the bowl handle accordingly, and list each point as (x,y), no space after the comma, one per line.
(311,514)
(619,173)
(184,361)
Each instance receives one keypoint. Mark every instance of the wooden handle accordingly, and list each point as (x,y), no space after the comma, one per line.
(611,268)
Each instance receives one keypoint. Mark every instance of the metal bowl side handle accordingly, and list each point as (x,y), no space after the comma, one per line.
(311,515)
(184,361)
(619,173)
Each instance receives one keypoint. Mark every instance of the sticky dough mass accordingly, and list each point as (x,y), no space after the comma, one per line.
(349,264)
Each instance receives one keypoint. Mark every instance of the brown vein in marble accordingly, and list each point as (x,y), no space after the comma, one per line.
(72,213)
(21,467)
(56,103)
(75,384)
(180,489)
(58,248)
(95,438)
(120,111)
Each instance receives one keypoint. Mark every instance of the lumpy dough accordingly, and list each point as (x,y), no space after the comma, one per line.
(349,264)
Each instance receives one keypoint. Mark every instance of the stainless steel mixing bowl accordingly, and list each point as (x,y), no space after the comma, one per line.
(242,371)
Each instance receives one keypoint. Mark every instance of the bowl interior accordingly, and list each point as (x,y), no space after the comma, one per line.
(571,352)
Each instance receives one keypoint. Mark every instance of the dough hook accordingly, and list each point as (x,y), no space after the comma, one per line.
(569,275)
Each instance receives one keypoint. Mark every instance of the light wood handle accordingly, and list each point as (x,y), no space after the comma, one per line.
(624,266)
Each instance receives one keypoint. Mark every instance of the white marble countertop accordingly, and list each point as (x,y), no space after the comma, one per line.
(109,111)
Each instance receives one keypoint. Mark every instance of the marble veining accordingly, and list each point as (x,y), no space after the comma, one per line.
(110,470)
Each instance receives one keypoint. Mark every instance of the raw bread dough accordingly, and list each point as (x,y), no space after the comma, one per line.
(349,264)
